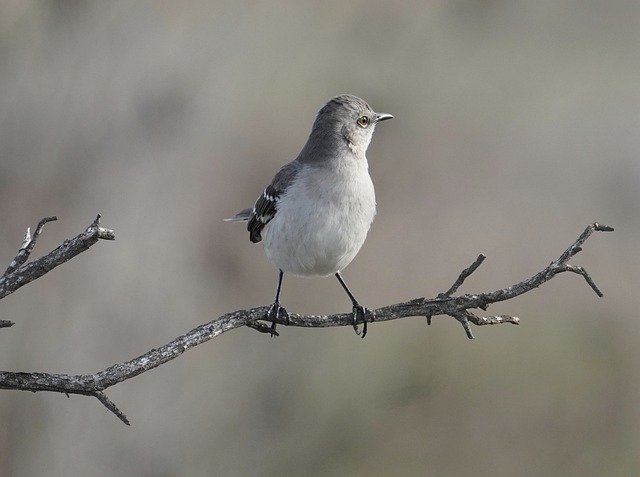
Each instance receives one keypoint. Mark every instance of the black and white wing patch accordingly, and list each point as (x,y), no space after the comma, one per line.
(266,206)
(263,211)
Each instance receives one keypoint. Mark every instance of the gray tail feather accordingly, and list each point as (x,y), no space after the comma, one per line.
(241,216)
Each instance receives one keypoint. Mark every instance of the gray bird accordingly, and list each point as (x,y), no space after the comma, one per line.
(314,216)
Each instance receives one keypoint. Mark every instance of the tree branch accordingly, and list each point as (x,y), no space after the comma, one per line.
(18,274)
(444,304)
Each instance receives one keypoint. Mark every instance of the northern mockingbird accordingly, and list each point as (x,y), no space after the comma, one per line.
(314,216)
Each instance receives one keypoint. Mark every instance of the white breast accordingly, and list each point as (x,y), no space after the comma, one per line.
(322,220)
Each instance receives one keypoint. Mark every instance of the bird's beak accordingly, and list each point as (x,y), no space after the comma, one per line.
(383,117)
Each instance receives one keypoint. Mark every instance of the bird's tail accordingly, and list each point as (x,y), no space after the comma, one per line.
(241,216)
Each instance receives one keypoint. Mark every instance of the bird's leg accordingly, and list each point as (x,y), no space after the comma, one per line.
(359,311)
(275,310)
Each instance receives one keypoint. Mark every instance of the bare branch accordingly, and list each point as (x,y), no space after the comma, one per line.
(18,274)
(457,307)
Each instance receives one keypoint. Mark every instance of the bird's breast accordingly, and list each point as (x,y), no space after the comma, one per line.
(322,221)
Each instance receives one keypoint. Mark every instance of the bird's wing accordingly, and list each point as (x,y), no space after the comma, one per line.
(266,206)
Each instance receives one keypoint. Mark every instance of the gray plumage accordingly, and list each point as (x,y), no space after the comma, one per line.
(314,216)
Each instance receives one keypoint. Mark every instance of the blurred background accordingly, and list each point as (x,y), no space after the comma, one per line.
(517,123)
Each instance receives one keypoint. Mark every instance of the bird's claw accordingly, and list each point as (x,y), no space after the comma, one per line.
(275,313)
(360,314)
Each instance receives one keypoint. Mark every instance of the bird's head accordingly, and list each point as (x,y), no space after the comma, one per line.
(347,121)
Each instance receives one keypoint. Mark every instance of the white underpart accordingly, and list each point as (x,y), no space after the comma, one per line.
(323,231)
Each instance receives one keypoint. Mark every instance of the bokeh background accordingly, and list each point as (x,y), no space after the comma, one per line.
(517,123)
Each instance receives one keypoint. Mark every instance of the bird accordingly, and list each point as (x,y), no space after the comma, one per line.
(314,216)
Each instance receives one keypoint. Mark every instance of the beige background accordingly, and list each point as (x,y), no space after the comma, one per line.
(517,124)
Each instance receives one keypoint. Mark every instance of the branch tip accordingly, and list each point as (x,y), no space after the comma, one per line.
(601,228)
(581,271)
(109,404)
(104,234)
(498,320)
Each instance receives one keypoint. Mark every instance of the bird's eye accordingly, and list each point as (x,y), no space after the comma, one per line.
(363,121)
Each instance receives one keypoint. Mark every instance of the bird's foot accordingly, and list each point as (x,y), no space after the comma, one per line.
(360,313)
(275,313)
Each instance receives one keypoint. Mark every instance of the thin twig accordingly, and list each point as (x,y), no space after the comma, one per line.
(108,403)
(463,276)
